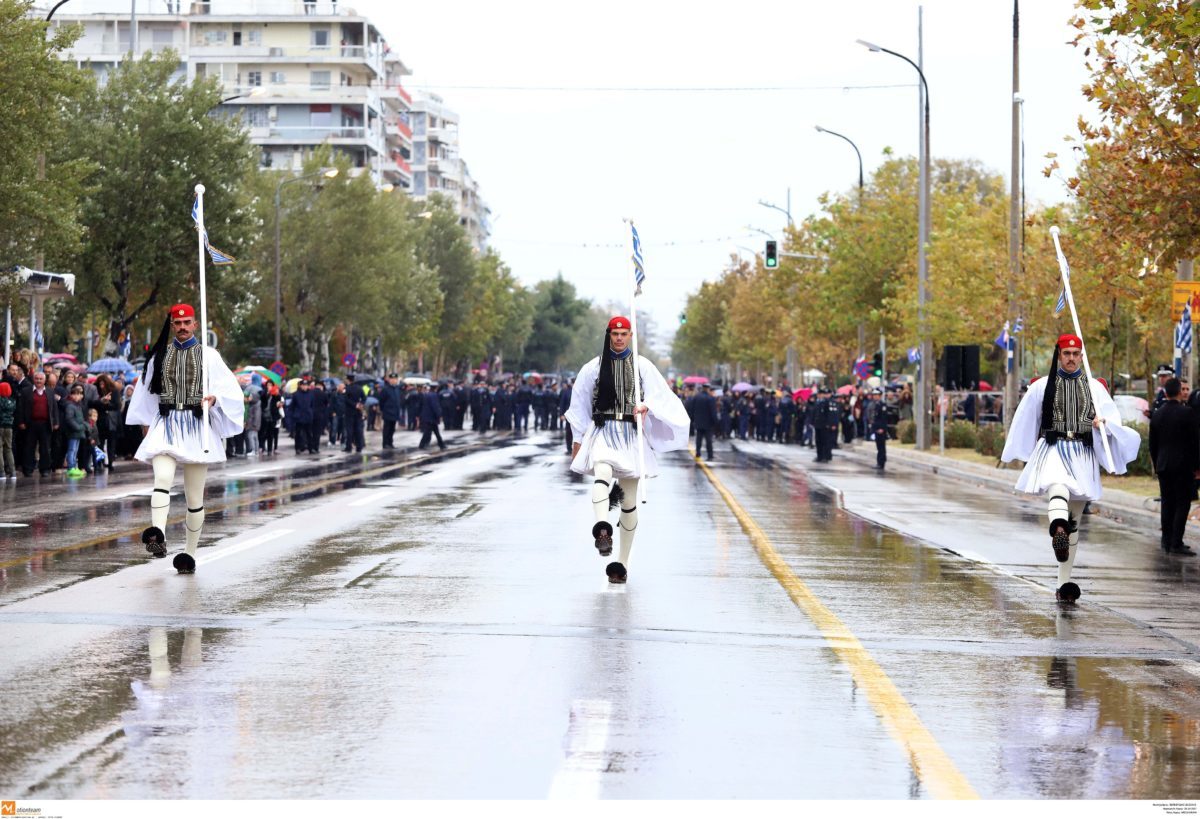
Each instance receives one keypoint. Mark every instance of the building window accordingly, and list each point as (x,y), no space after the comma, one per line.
(254,37)
(278,78)
(254,116)
(418,124)
(419,183)
(215,37)
(418,153)
(253,78)
(319,80)
(320,38)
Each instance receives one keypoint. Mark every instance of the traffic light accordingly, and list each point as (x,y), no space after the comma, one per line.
(877,365)
(772,254)
(683,318)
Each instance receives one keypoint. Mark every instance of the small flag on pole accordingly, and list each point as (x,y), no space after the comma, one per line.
(1019,326)
(1061,304)
(862,367)
(1183,330)
(1002,339)
(914,355)
(217,256)
(639,270)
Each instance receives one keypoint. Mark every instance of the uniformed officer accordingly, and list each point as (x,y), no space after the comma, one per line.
(826,415)
(877,425)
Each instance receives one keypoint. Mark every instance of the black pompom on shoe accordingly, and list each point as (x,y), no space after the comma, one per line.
(616,572)
(184,563)
(1067,593)
(602,532)
(156,541)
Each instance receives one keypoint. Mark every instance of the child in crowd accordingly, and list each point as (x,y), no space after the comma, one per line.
(75,429)
(90,450)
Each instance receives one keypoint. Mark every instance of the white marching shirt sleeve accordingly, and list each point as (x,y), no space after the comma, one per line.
(1022,435)
(228,414)
(143,407)
(579,413)
(667,423)
(1123,441)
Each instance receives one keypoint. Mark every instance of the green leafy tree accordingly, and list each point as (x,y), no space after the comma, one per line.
(557,315)
(152,140)
(41,182)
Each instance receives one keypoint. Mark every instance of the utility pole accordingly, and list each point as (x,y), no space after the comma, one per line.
(1014,226)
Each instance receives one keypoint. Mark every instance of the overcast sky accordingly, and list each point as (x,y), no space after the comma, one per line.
(561,168)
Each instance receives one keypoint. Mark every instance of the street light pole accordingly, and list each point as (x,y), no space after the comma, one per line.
(922,398)
(329,174)
(862,342)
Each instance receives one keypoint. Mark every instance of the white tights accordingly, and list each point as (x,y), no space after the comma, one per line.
(1061,507)
(193,493)
(627,523)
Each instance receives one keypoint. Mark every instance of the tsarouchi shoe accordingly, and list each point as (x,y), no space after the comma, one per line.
(155,540)
(602,532)
(616,572)
(184,563)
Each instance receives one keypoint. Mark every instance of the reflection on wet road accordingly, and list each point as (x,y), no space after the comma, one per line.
(447,631)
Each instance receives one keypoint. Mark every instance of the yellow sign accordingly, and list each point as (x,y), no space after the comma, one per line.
(1181,293)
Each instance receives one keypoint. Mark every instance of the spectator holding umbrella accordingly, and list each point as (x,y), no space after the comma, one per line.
(108,406)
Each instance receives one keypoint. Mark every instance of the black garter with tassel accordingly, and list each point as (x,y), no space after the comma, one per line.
(615,496)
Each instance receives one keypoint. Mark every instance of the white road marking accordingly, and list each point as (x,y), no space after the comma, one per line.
(139,493)
(244,545)
(579,776)
(378,495)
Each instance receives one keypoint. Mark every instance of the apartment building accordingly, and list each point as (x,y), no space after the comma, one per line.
(437,166)
(300,73)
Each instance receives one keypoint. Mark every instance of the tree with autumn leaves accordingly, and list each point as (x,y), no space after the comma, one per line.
(1135,201)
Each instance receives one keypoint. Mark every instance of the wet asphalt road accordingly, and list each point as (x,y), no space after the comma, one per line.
(394,627)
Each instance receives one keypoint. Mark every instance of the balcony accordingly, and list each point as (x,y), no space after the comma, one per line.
(218,52)
(309,134)
(398,128)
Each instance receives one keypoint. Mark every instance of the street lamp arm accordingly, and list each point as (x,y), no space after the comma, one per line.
(776,207)
(56,7)
(852,145)
(920,73)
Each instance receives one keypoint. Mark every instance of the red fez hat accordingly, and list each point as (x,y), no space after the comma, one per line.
(619,323)
(1103,382)
(5,389)
(182,311)
(1069,341)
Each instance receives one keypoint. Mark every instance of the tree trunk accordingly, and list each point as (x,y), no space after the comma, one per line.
(306,358)
(323,350)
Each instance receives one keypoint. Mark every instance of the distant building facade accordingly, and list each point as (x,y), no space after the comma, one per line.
(437,167)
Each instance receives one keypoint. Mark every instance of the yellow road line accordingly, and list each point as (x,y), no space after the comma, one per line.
(930,763)
(283,493)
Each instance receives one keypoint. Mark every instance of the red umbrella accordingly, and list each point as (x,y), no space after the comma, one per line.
(695,379)
(848,389)
(985,386)
(802,394)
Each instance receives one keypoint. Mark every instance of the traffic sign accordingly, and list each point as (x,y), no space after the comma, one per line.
(1181,293)
(279,368)
(349,359)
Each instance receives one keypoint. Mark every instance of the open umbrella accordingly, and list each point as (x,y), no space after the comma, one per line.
(417,380)
(742,386)
(848,389)
(985,386)
(533,376)
(802,394)
(110,365)
(695,379)
(291,386)
(255,369)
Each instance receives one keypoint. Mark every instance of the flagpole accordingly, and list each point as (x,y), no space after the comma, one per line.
(637,364)
(203,314)
(1064,270)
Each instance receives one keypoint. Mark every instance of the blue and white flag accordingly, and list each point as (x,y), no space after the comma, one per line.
(914,355)
(1019,326)
(639,270)
(1002,339)
(217,256)
(1183,330)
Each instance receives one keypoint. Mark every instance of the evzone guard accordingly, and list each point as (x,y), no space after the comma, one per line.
(606,402)
(170,400)
(1057,430)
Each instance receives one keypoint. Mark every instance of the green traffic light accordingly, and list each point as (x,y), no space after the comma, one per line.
(772,263)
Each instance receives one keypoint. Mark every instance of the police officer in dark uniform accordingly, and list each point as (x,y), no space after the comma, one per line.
(877,425)
(355,403)
(390,408)
(412,406)
(826,415)
(461,400)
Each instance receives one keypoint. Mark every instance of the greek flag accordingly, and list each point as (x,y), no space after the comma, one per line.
(217,256)
(639,270)
(1002,339)
(1183,330)
(1019,326)
(914,355)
